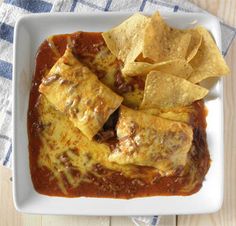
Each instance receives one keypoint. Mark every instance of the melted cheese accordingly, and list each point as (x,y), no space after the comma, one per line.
(67,153)
(182,114)
(148,140)
(73,89)
(105,61)
(65,149)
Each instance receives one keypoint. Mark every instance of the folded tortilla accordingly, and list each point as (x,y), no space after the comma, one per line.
(148,140)
(76,91)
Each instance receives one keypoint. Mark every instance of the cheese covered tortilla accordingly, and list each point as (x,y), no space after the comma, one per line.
(148,140)
(165,91)
(181,114)
(74,90)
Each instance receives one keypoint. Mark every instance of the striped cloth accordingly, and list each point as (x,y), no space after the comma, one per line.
(10,10)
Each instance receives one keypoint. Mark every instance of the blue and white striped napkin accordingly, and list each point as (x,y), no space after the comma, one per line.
(10,10)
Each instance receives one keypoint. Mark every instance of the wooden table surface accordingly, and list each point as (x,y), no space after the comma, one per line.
(225,9)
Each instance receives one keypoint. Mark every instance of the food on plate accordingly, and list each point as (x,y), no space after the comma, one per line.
(149,140)
(121,113)
(178,67)
(76,91)
(126,40)
(165,91)
(196,40)
(68,154)
(181,114)
(162,42)
(208,61)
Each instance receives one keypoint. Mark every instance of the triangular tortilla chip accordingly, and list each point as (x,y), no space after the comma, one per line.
(208,61)
(162,42)
(178,67)
(195,43)
(126,40)
(166,91)
(180,114)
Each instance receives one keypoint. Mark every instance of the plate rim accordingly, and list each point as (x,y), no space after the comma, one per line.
(21,22)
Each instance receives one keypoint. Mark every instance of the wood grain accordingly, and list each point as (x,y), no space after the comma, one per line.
(168,221)
(75,221)
(8,215)
(227,215)
(117,221)
(164,221)
(225,9)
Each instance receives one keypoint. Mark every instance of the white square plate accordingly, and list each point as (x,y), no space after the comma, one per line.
(30,31)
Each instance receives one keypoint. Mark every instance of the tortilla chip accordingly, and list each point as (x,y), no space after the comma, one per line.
(182,114)
(195,43)
(208,61)
(126,40)
(165,91)
(178,67)
(162,42)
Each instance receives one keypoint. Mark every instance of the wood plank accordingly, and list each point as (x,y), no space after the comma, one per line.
(75,221)
(164,221)
(223,9)
(168,221)
(8,214)
(117,221)
(227,215)
(31,220)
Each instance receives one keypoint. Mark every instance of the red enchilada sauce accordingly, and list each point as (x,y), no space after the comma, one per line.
(111,183)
